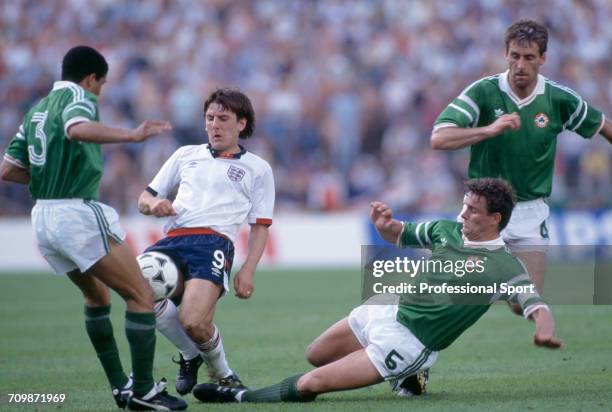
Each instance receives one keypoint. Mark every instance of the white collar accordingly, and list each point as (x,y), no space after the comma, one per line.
(486,244)
(504,86)
(63,84)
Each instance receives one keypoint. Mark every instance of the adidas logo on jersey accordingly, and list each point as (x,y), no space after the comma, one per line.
(498,112)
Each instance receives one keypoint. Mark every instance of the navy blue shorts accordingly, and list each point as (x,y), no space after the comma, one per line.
(197,256)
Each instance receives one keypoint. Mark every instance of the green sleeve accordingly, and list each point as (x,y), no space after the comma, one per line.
(17,150)
(417,234)
(528,298)
(578,116)
(464,110)
(514,273)
(83,110)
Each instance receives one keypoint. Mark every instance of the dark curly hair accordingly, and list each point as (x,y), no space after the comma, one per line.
(499,194)
(237,103)
(81,61)
(527,31)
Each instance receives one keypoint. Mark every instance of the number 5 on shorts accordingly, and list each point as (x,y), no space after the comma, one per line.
(390,362)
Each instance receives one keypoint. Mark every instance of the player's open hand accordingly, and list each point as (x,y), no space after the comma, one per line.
(243,283)
(510,121)
(547,341)
(150,128)
(162,208)
(545,330)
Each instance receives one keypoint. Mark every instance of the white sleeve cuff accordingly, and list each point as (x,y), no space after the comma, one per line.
(442,125)
(14,161)
(398,241)
(72,122)
(529,310)
(603,121)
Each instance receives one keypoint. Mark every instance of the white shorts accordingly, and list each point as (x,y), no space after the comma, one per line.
(527,229)
(391,347)
(74,233)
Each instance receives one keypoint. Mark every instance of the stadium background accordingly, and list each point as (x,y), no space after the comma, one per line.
(345,94)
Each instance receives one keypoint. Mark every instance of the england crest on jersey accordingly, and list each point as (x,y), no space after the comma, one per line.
(235,173)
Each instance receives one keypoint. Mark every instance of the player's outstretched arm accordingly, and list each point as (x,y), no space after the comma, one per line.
(452,138)
(606,130)
(95,132)
(381,216)
(545,329)
(151,205)
(243,281)
(13,173)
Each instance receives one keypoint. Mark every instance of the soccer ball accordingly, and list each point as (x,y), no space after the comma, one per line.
(161,272)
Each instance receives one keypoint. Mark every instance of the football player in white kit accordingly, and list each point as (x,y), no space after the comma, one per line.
(220,185)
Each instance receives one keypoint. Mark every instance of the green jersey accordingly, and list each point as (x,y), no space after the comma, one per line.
(59,168)
(524,157)
(439,325)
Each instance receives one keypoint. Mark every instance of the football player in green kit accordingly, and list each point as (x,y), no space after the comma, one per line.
(57,153)
(393,342)
(511,121)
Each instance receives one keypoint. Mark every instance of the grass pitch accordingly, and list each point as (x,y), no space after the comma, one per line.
(493,366)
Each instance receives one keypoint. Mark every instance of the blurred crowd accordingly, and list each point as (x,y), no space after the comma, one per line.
(345,92)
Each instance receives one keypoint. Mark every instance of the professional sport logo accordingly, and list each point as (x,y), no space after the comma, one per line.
(541,120)
(235,173)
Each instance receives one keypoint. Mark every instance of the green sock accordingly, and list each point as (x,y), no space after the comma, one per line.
(285,391)
(140,332)
(100,331)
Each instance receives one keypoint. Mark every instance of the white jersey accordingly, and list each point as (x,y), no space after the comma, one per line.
(216,192)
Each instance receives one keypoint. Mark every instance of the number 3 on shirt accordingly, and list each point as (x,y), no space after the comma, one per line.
(38,159)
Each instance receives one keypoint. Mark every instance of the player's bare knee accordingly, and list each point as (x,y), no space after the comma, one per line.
(193,327)
(312,354)
(303,384)
(311,383)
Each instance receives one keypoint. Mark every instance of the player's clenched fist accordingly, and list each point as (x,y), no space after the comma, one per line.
(510,121)
(382,218)
(243,283)
(162,208)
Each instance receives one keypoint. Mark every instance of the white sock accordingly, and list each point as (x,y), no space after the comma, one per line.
(214,356)
(167,322)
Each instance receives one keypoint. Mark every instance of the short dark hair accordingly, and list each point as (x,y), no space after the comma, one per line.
(527,31)
(499,195)
(81,61)
(236,102)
